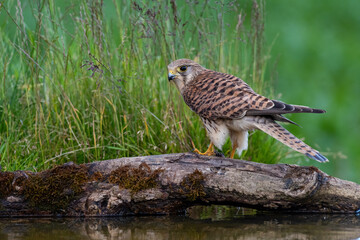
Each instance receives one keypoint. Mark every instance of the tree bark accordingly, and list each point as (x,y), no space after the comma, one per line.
(169,184)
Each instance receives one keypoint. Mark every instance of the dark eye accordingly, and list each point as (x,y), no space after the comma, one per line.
(183,68)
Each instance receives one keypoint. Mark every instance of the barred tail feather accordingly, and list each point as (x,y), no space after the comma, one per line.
(276,131)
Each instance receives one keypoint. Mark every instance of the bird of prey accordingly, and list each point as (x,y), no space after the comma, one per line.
(228,107)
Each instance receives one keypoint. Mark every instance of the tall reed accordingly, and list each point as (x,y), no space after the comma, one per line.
(87,81)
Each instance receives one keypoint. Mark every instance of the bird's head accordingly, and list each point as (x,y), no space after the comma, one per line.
(182,71)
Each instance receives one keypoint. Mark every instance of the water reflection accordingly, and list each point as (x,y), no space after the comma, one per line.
(244,226)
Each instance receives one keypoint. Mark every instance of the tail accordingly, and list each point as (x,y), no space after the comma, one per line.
(276,131)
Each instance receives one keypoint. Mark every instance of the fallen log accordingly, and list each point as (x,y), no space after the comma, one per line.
(169,184)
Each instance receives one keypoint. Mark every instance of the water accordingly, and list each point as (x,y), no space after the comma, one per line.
(242,225)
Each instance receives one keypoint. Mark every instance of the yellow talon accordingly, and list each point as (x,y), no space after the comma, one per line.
(209,151)
(233,150)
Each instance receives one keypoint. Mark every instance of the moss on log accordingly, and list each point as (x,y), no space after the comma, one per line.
(169,184)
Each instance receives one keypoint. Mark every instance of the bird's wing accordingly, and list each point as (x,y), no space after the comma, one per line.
(282,108)
(215,95)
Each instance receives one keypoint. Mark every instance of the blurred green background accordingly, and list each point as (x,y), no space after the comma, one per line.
(317,50)
(119,103)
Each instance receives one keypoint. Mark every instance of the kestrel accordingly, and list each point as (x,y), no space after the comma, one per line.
(228,107)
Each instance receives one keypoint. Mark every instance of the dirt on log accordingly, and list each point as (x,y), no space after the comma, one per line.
(169,184)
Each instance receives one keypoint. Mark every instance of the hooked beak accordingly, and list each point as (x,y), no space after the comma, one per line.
(171,75)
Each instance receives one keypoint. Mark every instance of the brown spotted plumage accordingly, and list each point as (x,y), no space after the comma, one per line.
(228,107)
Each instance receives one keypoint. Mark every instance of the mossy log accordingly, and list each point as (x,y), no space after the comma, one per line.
(169,184)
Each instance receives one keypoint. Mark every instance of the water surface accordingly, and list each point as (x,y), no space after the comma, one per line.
(243,224)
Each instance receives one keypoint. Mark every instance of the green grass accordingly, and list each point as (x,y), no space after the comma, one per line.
(87,81)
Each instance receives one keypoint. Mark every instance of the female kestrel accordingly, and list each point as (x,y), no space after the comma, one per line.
(229,107)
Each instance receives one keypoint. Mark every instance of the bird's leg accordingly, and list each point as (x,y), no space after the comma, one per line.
(209,151)
(233,150)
